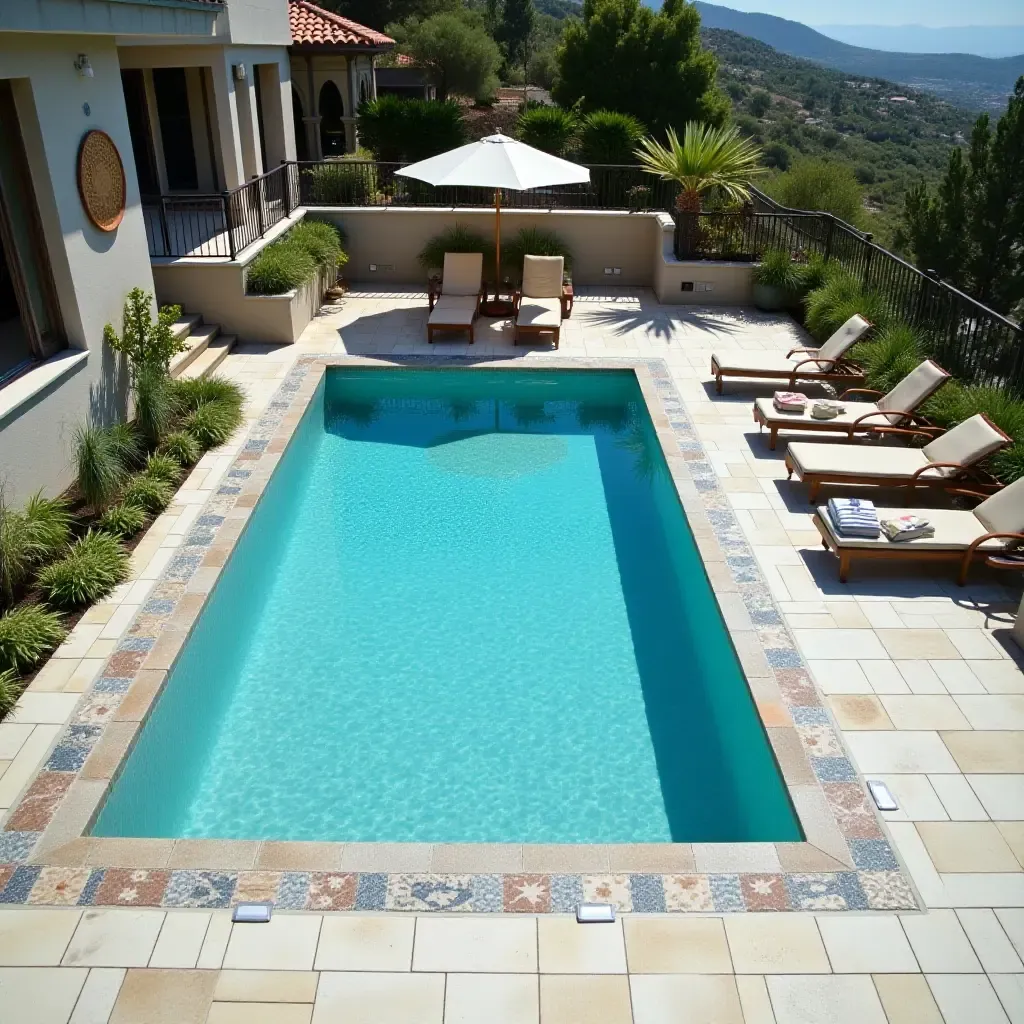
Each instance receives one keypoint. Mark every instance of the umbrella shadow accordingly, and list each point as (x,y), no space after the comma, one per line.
(660,322)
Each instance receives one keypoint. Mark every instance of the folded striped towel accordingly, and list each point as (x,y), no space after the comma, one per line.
(854,517)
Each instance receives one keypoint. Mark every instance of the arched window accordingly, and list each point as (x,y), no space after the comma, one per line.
(332,127)
(301,142)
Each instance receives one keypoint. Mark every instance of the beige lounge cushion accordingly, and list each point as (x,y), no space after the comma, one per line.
(955,529)
(540,313)
(967,443)
(770,364)
(919,385)
(542,277)
(845,338)
(1004,511)
(463,273)
(797,420)
(855,460)
(453,310)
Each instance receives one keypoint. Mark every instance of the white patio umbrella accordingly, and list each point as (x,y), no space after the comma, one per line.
(497,162)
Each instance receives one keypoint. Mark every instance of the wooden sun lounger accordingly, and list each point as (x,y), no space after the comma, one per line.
(458,303)
(538,303)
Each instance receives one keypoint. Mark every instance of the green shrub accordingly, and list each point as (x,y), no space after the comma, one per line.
(457,238)
(532,242)
(831,305)
(1008,464)
(10,691)
(321,240)
(608,137)
(144,342)
(181,447)
(100,469)
(815,271)
(95,565)
(126,444)
(551,129)
(890,356)
(35,534)
(212,424)
(189,394)
(152,402)
(812,184)
(396,129)
(778,270)
(123,520)
(148,492)
(163,467)
(27,635)
(279,268)
(350,181)
(957,402)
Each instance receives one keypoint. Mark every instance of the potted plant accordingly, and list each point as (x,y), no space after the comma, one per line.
(776,279)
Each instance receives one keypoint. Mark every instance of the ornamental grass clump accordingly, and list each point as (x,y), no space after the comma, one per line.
(839,298)
(532,242)
(211,424)
(148,492)
(321,240)
(123,520)
(10,691)
(163,467)
(457,238)
(279,268)
(95,565)
(190,393)
(181,447)
(28,537)
(27,634)
(100,469)
(777,270)
(894,352)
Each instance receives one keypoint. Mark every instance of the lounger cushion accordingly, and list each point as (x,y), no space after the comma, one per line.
(1004,511)
(796,420)
(921,383)
(453,310)
(845,338)
(967,443)
(771,364)
(463,273)
(540,313)
(542,277)
(861,460)
(954,531)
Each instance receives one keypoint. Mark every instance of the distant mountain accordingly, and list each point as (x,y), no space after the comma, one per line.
(981,40)
(969,81)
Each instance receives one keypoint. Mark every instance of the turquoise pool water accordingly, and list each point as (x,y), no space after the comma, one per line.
(467,608)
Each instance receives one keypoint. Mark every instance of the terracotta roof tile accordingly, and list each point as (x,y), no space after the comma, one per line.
(313,26)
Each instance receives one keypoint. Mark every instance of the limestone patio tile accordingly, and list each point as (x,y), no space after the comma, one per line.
(494,945)
(1010,989)
(495,998)
(916,643)
(287,942)
(939,943)
(754,999)
(566,947)
(114,938)
(1002,796)
(386,857)
(99,994)
(990,942)
(776,944)
(993,711)
(966,999)
(956,846)
(849,999)
(41,708)
(164,997)
(266,987)
(866,945)
(379,998)
(651,857)
(835,644)
(136,702)
(987,751)
(215,942)
(356,943)
(675,945)
(294,856)
(116,852)
(41,995)
(12,738)
(907,999)
(181,939)
(975,644)
(988,889)
(916,711)
(213,853)
(462,858)
(575,998)
(900,752)
(841,676)
(694,998)
(541,857)
(958,798)
(1013,833)
(998,676)
(859,711)
(957,677)
(54,674)
(36,936)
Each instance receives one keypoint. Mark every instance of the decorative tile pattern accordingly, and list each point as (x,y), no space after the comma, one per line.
(876,884)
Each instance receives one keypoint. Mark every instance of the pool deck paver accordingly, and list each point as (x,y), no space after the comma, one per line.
(886,637)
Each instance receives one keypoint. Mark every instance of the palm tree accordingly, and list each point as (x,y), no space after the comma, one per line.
(707,158)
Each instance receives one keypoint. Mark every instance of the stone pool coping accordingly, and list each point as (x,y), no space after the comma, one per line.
(846,862)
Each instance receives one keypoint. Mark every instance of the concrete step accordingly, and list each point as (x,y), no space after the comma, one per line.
(182,327)
(214,354)
(197,342)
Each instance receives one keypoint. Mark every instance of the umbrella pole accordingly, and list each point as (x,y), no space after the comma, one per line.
(497,307)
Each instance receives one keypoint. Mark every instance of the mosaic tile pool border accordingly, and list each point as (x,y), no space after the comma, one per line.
(846,863)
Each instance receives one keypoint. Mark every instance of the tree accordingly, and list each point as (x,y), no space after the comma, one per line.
(459,55)
(971,230)
(379,13)
(518,20)
(623,56)
(821,185)
(707,158)
(760,101)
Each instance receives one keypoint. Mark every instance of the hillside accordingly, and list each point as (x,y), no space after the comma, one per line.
(976,83)
(794,108)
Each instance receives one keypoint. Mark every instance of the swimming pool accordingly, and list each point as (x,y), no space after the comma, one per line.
(467,608)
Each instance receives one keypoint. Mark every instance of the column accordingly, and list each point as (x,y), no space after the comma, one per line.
(228,135)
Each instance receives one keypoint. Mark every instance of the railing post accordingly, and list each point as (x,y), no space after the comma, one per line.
(229,221)
(257,184)
(286,187)
(163,227)
(867,257)
(831,223)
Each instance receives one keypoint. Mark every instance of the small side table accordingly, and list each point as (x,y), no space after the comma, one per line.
(499,307)
(1011,561)
(567,300)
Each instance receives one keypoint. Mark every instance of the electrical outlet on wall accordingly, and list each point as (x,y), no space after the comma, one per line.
(686,286)
(608,270)
(616,270)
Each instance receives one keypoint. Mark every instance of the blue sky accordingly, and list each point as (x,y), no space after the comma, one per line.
(888,12)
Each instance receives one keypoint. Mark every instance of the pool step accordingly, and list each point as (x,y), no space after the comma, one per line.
(197,341)
(213,355)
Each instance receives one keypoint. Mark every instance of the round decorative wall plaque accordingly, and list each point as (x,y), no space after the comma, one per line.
(101,180)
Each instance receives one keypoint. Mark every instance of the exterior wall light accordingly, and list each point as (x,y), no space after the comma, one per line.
(82,65)
(239,70)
